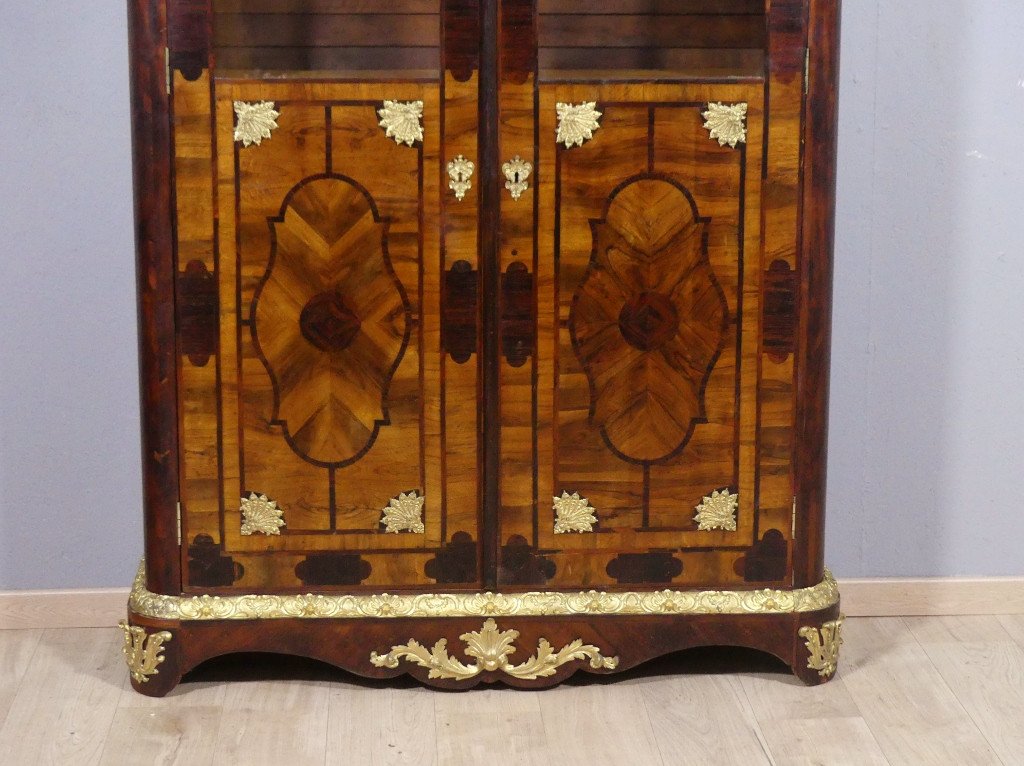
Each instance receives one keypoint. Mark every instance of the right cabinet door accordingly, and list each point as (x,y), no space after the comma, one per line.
(649,295)
(647,424)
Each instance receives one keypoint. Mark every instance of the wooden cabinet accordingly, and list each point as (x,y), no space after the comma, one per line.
(498,322)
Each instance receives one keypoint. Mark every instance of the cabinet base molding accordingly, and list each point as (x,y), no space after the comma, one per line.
(459,640)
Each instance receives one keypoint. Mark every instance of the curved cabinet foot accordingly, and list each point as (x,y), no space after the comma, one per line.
(152,656)
(817,647)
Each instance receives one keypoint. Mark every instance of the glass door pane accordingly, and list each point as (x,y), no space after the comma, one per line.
(373,38)
(602,39)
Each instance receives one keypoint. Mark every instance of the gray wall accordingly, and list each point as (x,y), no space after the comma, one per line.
(927,411)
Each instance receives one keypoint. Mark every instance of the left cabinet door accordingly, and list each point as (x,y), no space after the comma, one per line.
(328,430)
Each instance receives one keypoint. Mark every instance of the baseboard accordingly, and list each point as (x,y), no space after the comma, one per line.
(861,598)
(27,609)
(898,597)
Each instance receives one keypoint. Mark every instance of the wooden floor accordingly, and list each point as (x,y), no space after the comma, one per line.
(910,691)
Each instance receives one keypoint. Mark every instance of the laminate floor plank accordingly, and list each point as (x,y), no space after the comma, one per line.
(984,667)
(810,725)
(823,742)
(703,719)
(783,697)
(67,699)
(16,650)
(1013,624)
(177,729)
(382,726)
(277,721)
(497,727)
(600,724)
(147,736)
(911,711)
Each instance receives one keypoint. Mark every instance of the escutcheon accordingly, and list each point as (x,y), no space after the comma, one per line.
(460,172)
(516,172)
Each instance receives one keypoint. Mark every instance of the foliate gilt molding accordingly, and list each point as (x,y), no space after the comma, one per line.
(823,646)
(402,121)
(405,514)
(573,514)
(143,653)
(255,122)
(577,123)
(260,515)
(727,123)
(460,172)
(389,606)
(718,511)
(492,649)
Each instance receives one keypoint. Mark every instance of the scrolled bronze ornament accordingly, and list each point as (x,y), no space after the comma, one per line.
(492,649)
(143,652)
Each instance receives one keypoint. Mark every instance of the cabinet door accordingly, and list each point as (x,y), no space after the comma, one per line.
(329,363)
(630,423)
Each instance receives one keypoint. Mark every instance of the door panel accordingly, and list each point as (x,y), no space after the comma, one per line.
(648,297)
(329,320)
(334,420)
(332,336)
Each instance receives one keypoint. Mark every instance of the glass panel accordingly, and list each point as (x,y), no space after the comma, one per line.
(302,36)
(643,39)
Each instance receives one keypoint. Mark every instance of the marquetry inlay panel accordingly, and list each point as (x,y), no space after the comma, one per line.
(649,306)
(332,320)
(648,321)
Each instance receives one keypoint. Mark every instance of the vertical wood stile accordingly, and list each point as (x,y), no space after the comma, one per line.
(820,141)
(490,222)
(155,275)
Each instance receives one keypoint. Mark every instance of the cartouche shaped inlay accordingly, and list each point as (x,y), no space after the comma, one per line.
(331,320)
(649,320)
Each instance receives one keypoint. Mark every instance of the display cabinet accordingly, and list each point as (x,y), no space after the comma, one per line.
(483,340)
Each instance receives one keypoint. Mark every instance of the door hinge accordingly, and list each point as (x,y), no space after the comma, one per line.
(179,523)
(807,71)
(167,69)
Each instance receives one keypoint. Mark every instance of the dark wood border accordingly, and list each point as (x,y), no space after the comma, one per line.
(812,385)
(460,34)
(150,103)
(189,32)
(518,47)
